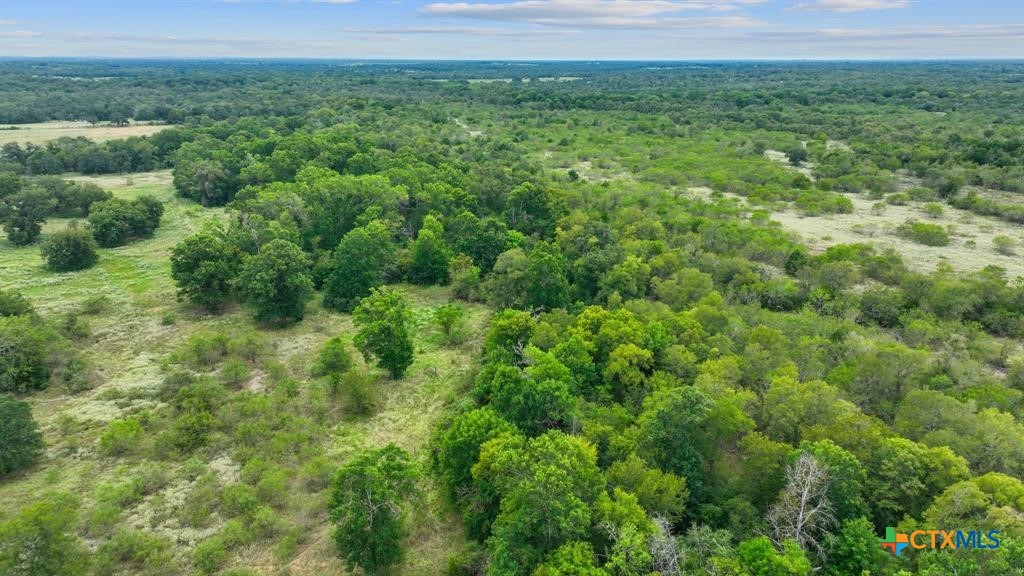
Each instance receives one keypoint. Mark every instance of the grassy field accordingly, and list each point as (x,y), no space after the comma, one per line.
(45,131)
(132,344)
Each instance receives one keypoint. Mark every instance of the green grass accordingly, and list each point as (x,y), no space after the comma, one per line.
(130,347)
(42,132)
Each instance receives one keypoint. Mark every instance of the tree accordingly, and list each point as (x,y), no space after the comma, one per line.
(40,540)
(20,441)
(383,320)
(276,282)
(854,549)
(531,209)
(24,363)
(70,249)
(759,557)
(662,494)
(458,448)
(361,262)
(548,489)
(428,254)
(846,478)
(366,506)
(547,284)
(205,181)
(533,405)
(24,213)
(796,154)
(671,415)
(803,513)
(204,267)
(115,222)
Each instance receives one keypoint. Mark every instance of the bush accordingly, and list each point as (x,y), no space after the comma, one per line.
(209,555)
(923,233)
(121,437)
(20,441)
(1003,245)
(452,320)
(70,249)
(95,305)
(12,303)
(334,358)
(796,154)
(234,372)
(932,209)
(23,365)
(115,222)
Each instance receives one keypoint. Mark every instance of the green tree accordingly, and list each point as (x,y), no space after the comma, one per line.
(458,447)
(546,279)
(854,549)
(366,506)
(20,441)
(115,222)
(204,267)
(40,540)
(24,213)
(428,254)
(662,494)
(533,405)
(758,557)
(276,282)
(383,320)
(548,488)
(361,261)
(24,364)
(70,249)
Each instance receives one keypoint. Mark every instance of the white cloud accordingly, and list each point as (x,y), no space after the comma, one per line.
(20,34)
(848,5)
(8,22)
(457,30)
(596,13)
(947,33)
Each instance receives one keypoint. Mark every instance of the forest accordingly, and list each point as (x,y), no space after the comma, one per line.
(512,318)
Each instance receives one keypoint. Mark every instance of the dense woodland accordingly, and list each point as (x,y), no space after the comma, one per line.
(666,383)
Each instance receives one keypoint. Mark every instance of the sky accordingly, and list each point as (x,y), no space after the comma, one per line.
(516,29)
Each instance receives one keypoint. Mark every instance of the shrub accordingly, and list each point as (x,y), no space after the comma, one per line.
(360,393)
(121,437)
(1003,245)
(20,441)
(234,372)
(932,209)
(209,555)
(924,233)
(452,320)
(334,358)
(897,199)
(12,303)
(796,154)
(70,249)
(23,365)
(95,305)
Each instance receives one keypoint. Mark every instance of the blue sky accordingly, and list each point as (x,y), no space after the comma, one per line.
(516,29)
